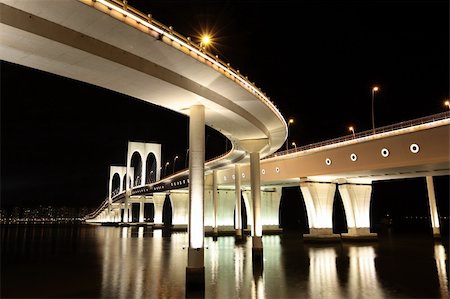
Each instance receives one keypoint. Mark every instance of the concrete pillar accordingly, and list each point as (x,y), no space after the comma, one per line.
(270,201)
(237,192)
(225,213)
(215,203)
(141,210)
(433,207)
(126,217)
(180,210)
(319,199)
(195,270)
(356,200)
(255,184)
(158,202)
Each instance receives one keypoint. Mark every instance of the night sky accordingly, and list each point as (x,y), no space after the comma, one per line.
(317,60)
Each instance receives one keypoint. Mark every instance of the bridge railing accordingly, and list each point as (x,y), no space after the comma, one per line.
(384,129)
(97,211)
(210,58)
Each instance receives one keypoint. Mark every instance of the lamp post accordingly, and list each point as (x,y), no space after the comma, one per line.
(173,167)
(447,103)
(374,89)
(165,168)
(291,121)
(294,145)
(351,129)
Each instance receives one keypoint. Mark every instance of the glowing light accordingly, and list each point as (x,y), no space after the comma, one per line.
(447,103)
(206,40)
(375,88)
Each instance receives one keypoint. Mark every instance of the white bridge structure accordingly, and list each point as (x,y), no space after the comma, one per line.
(348,165)
(112,45)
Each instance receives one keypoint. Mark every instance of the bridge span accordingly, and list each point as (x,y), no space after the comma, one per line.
(348,165)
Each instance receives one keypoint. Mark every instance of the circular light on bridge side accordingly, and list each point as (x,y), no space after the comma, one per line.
(385,152)
(277,169)
(225,178)
(233,176)
(353,157)
(328,161)
(243,175)
(263,171)
(414,148)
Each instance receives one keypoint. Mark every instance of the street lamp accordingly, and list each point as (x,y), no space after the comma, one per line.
(165,168)
(351,129)
(205,41)
(447,103)
(374,89)
(291,121)
(174,160)
(294,145)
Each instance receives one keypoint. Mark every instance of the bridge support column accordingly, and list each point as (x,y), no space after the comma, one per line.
(255,183)
(433,208)
(141,210)
(254,147)
(215,204)
(237,192)
(195,270)
(270,200)
(319,199)
(356,200)
(158,203)
(126,209)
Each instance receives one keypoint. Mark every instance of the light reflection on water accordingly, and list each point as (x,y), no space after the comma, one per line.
(138,262)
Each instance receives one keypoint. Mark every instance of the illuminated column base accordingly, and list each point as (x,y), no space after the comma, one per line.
(359,233)
(319,199)
(158,203)
(257,250)
(433,208)
(270,201)
(180,210)
(356,201)
(195,270)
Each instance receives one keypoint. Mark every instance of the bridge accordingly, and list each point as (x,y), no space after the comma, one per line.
(416,148)
(112,45)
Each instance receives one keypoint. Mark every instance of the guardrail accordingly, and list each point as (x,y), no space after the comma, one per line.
(384,129)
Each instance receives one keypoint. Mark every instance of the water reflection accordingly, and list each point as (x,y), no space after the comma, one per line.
(138,262)
(323,281)
(441,264)
(363,281)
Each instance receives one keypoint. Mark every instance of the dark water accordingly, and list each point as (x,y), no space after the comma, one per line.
(110,262)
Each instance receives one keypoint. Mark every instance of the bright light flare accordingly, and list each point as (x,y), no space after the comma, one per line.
(375,88)
(206,40)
